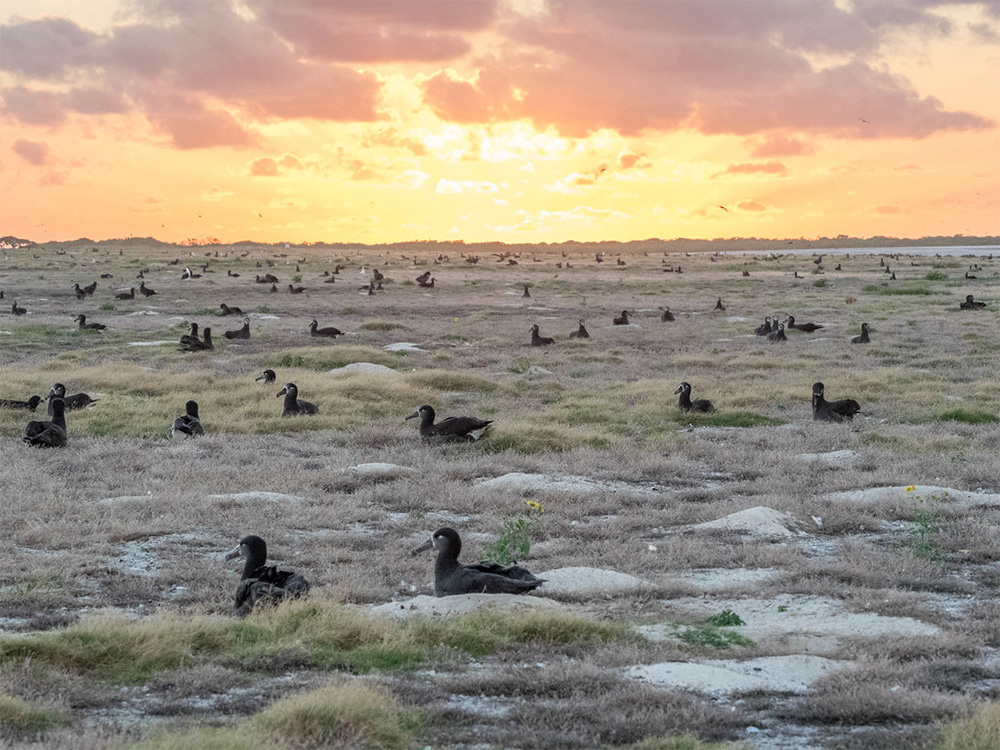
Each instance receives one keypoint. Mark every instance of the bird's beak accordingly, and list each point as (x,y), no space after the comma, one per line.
(235,552)
(423,547)
(678,391)
(413,416)
(282,392)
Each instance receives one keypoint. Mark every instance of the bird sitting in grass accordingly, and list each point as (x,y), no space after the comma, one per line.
(832,411)
(685,402)
(189,424)
(260,583)
(450,429)
(539,340)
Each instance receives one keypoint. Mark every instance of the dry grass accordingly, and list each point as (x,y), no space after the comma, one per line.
(124,520)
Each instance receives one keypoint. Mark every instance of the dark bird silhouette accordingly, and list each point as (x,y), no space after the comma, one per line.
(31,404)
(526,292)
(90,288)
(73,402)
(777,334)
(667,316)
(685,402)
(189,424)
(329,332)
(232,274)
(189,275)
(621,320)
(48,434)
(239,333)
(130,294)
(452,578)
(832,411)
(293,404)
(268,376)
(187,338)
(581,332)
(227,310)
(194,345)
(804,327)
(539,340)
(146,291)
(82,320)
(719,305)
(260,583)
(17,310)
(450,429)
(863,338)
(764,328)
(969,304)
(296,289)
(80,294)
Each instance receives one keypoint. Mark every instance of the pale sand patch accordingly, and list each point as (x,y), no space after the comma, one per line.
(522,482)
(921,491)
(450,606)
(832,459)
(759,521)
(720,579)
(403,346)
(270,497)
(775,674)
(150,343)
(583,580)
(535,372)
(365,367)
(380,470)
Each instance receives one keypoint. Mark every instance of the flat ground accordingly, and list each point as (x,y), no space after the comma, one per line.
(761,579)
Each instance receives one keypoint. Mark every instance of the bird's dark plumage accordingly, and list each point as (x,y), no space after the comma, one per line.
(329,332)
(764,328)
(268,376)
(75,401)
(82,320)
(777,334)
(667,316)
(452,578)
(805,327)
(832,411)
(539,340)
(31,404)
(50,434)
(621,320)
(260,583)
(188,425)
(194,345)
(450,429)
(293,404)
(239,333)
(580,333)
(863,338)
(969,304)
(685,402)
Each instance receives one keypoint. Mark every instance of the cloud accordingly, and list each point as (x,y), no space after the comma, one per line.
(35,153)
(771,168)
(265,166)
(752,206)
(455,187)
(778,144)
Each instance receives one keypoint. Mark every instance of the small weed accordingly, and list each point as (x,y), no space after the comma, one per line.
(936,276)
(264,309)
(968,417)
(207,311)
(725,619)
(926,513)
(897,291)
(107,306)
(289,360)
(21,717)
(709,637)
(520,365)
(514,543)
(737,419)
(297,278)
(351,311)
(819,283)
(782,607)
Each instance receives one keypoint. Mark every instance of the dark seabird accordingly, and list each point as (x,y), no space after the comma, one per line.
(539,340)
(832,411)
(194,345)
(261,583)
(667,316)
(187,338)
(90,288)
(130,294)
(189,424)
(267,376)
(719,305)
(580,333)
(240,333)
(82,320)
(621,320)
(863,338)
(969,304)
(805,327)
(526,292)
(76,401)
(80,294)
(329,332)
(296,289)
(227,310)
(764,328)
(778,334)
(685,402)
(17,310)
(293,404)
(450,429)
(31,404)
(452,578)
(146,291)
(48,434)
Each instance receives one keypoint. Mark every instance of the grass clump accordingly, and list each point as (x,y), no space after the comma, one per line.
(725,619)
(892,291)
(731,419)
(352,714)
(967,416)
(18,716)
(684,742)
(981,731)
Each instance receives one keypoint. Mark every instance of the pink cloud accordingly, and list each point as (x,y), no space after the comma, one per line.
(775,168)
(777,144)
(265,166)
(751,206)
(35,153)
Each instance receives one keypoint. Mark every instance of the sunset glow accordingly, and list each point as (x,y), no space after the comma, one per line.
(498,120)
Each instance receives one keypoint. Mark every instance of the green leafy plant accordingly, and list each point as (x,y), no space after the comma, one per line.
(514,542)
(725,619)
(926,513)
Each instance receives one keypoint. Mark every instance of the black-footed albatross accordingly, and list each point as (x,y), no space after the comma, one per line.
(189,424)
(293,404)
(261,583)
(268,376)
(48,434)
(685,402)
(832,411)
(451,577)
(450,429)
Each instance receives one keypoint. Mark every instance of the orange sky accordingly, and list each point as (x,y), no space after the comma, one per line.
(509,120)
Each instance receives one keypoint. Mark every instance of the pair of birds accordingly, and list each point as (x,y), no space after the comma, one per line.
(772,324)
(191,343)
(538,340)
(264,584)
(52,434)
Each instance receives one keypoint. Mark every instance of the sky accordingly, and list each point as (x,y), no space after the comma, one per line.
(498,120)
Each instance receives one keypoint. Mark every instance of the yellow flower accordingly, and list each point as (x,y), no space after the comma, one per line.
(534,505)
(910,488)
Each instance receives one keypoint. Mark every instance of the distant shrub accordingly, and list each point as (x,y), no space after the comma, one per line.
(936,276)
(819,283)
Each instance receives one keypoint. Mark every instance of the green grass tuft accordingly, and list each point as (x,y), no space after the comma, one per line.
(967,416)
(18,716)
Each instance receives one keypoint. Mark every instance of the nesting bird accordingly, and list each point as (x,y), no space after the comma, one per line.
(863,338)
(188,424)
(621,320)
(260,583)
(329,332)
(452,578)
(764,328)
(50,434)
(293,404)
(76,401)
(804,327)
(685,402)
(195,345)
(82,320)
(719,305)
(130,294)
(146,291)
(227,310)
(581,332)
(17,310)
(239,333)
(832,411)
(450,429)
(969,304)
(31,404)
(777,333)
(539,340)
(667,316)
(268,376)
